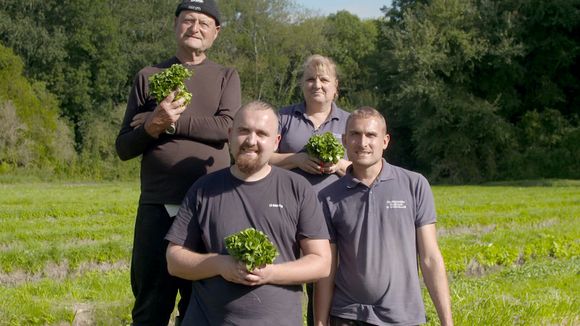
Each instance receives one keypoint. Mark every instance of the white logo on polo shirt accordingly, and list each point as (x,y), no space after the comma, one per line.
(275,205)
(396,204)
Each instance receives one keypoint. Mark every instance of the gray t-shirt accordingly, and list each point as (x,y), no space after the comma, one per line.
(296,128)
(374,229)
(282,205)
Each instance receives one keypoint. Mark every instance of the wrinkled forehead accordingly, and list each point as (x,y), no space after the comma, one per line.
(192,14)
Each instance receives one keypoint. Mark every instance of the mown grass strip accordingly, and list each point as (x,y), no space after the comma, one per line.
(542,292)
(106,295)
(512,253)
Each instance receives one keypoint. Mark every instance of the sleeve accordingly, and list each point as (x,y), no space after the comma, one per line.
(131,142)
(215,129)
(327,212)
(185,230)
(311,222)
(424,203)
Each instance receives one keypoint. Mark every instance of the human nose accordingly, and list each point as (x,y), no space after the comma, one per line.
(251,139)
(364,141)
(194,26)
(316,83)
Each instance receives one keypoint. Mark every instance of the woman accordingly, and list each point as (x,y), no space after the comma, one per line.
(316,115)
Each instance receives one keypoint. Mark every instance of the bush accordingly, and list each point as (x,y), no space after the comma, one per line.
(34,135)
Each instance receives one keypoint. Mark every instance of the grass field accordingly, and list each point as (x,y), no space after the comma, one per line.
(513,253)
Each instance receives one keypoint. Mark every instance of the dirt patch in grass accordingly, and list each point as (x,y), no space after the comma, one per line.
(83,315)
(475,269)
(466,230)
(59,272)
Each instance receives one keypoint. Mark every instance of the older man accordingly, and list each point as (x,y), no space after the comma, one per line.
(251,193)
(381,217)
(178,144)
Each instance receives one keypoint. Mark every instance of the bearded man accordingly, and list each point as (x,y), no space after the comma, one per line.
(251,193)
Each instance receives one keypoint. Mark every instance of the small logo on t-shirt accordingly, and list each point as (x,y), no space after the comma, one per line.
(275,205)
(396,204)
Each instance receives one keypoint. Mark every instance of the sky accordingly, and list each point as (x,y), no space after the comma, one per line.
(361,8)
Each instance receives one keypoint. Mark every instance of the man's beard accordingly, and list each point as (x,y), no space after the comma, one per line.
(246,164)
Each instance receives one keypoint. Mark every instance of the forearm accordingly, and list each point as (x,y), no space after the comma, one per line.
(205,129)
(306,269)
(284,160)
(435,277)
(323,292)
(132,143)
(190,265)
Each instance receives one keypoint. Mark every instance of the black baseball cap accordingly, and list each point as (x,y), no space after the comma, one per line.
(208,7)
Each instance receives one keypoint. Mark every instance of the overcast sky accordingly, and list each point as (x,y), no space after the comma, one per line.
(361,8)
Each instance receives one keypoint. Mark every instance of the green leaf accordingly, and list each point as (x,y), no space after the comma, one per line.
(251,247)
(325,147)
(168,80)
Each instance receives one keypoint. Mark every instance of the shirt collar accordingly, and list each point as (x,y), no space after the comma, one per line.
(386,174)
(300,110)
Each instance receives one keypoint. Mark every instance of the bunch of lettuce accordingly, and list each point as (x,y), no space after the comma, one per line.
(325,147)
(251,247)
(168,80)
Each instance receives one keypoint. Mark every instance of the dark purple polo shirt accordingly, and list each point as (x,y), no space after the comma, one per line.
(374,229)
(296,128)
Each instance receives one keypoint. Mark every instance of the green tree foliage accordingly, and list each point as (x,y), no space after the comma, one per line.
(86,51)
(473,89)
(462,77)
(267,44)
(33,133)
(351,42)
(456,135)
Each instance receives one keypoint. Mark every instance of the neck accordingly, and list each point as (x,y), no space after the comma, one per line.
(317,108)
(318,113)
(251,177)
(367,174)
(190,58)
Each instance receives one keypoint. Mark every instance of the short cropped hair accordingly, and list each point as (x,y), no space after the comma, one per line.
(258,105)
(367,112)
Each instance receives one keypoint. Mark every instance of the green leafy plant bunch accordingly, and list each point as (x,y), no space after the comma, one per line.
(252,247)
(168,80)
(325,147)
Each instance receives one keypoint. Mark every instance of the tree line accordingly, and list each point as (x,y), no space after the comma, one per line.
(473,90)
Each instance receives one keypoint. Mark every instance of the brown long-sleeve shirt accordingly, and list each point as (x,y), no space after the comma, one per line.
(172,163)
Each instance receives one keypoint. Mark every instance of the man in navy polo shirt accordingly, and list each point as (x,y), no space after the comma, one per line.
(382,222)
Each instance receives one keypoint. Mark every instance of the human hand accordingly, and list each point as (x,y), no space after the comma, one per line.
(329,168)
(338,167)
(308,163)
(234,271)
(164,115)
(261,275)
(139,119)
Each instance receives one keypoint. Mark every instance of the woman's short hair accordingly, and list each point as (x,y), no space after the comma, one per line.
(318,62)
